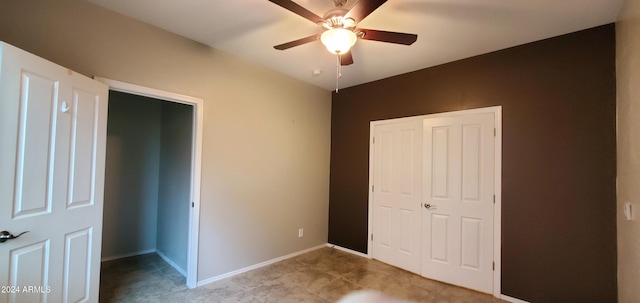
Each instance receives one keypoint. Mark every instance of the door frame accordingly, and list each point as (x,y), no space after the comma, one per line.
(196,161)
(497,210)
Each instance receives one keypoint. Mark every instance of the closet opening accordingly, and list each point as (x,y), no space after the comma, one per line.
(152,191)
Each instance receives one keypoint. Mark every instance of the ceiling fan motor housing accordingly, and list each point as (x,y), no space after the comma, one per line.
(340,3)
(335,19)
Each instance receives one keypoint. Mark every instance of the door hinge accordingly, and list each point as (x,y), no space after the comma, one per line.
(372,188)
(494,131)
(374,140)
(193,204)
(371,237)
(494,265)
(494,199)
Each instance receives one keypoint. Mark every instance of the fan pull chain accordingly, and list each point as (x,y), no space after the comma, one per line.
(338,71)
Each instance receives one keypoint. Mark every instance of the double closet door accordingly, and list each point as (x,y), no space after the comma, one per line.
(432,196)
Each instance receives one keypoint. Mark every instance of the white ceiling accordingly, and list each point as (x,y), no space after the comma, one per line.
(447,30)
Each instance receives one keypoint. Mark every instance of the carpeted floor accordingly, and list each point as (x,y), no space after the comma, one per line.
(324,275)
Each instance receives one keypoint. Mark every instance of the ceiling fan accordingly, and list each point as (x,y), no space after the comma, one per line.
(340,32)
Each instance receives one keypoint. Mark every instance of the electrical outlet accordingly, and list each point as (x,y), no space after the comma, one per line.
(300,232)
(628,214)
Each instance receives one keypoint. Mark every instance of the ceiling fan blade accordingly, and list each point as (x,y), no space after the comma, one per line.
(391,37)
(346,59)
(297,42)
(298,10)
(363,8)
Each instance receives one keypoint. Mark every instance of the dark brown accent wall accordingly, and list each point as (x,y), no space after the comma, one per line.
(559,157)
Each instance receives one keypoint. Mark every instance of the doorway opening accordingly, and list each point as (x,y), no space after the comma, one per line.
(153,161)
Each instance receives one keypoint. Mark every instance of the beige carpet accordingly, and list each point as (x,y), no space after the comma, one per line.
(324,275)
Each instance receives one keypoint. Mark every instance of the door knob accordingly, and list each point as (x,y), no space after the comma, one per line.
(429,206)
(5,235)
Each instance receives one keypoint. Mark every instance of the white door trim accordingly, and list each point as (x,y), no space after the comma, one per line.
(497,210)
(196,161)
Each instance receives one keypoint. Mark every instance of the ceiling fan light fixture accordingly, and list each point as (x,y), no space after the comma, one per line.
(338,40)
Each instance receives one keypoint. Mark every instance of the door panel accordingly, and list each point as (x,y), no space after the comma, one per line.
(405,218)
(386,225)
(386,161)
(471,234)
(458,172)
(439,244)
(34,155)
(471,163)
(440,168)
(397,194)
(77,266)
(29,267)
(83,144)
(52,145)
(407,166)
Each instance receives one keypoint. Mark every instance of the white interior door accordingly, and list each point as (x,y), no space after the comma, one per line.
(458,204)
(52,149)
(397,182)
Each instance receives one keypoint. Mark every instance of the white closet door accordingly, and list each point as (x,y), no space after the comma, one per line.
(52,155)
(457,231)
(397,193)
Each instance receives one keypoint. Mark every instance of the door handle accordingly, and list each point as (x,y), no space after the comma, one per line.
(429,206)
(5,235)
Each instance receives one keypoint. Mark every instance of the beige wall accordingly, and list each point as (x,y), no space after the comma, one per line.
(628,85)
(266,135)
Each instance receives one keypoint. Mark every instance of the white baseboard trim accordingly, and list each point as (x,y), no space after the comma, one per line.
(255,266)
(170,262)
(142,252)
(357,253)
(513,300)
